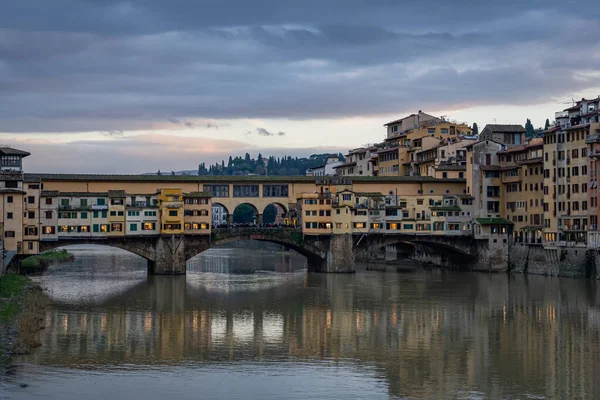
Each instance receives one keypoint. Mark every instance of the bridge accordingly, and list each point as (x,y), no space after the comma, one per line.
(168,254)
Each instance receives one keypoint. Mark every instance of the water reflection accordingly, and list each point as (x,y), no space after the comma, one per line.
(430,335)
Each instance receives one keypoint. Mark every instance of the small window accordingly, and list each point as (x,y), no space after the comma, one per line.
(9,215)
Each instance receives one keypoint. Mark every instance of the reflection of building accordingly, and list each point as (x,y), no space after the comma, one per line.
(219,215)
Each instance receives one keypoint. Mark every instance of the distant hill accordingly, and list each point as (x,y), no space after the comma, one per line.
(240,166)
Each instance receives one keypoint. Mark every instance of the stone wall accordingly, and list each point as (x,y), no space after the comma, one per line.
(561,261)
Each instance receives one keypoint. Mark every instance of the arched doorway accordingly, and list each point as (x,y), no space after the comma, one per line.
(246,214)
(220,215)
(275,214)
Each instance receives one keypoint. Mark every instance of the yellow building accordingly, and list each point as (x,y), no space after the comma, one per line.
(566,186)
(116,212)
(170,203)
(31,216)
(197,212)
(522,190)
(423,132)
(315,211)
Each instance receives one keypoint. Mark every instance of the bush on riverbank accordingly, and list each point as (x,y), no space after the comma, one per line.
(11,286)
(22,305)
(41,262)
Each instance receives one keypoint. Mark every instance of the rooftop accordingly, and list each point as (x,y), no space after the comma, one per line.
(198,194)
(116,194)
(351,164)
(408,116)
(15,191)
(388,150)
(493,221)
(225,179)
(451,167)
(537,160)
(504,128)
(9,151)
(56,193)
(369,194)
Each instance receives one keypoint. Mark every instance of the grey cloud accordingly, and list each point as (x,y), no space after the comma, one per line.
(115,65)
(176,121)
(265,132)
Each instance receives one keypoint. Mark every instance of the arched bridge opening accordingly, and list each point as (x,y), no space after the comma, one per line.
(315,251)
(453,253)
(142,247)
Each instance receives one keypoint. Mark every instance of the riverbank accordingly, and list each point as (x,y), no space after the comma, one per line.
(39,263)
(22,307)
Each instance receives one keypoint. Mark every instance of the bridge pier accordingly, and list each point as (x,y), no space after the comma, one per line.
(170,257)
(339,257)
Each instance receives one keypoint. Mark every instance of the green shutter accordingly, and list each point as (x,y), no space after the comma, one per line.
(83,215)
(133,227)
(96,228)
(104,214)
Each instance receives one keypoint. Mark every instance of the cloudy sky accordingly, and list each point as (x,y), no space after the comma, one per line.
(136,86)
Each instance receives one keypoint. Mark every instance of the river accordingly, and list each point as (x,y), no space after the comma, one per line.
(250,323)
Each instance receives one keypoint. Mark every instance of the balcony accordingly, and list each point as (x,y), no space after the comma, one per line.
(11,175)
(74,208)
(142,204)
(173,204)
(593,139)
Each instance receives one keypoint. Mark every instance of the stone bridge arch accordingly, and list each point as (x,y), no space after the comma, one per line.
(143,247)
(314,250)
(443,249)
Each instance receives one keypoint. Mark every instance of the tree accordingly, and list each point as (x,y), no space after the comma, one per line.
(270,214)
(243,214)
(547,126)
(530,129)
(475,129)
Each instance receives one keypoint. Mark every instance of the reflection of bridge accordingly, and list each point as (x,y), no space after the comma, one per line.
(168,254)
(416,338)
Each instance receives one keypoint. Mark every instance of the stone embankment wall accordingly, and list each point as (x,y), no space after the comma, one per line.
(572,262)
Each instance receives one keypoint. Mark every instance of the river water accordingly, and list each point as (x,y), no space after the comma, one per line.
(250,323)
